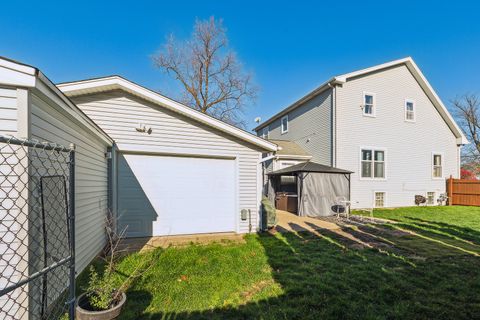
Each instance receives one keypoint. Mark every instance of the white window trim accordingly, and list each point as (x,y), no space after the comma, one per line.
(374,111)
(281,124)
(385,198)
(443,165)
(267,128)
(414,110)
(385,155)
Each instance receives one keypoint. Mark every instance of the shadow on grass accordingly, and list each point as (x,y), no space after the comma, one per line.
(324,274)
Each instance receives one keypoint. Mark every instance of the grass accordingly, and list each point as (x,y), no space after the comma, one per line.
(425,266)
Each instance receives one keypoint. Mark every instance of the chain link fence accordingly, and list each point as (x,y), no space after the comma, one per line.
(37,265)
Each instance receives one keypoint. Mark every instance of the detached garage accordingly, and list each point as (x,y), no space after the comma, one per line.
(175,170)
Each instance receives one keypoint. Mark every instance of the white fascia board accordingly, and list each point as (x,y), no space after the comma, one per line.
(346,76)
(15,74)
(115,82)
(292,156)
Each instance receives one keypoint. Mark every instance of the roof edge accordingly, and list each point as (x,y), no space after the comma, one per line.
(418,75)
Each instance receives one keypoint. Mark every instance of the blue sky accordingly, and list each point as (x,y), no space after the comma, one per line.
(290,46)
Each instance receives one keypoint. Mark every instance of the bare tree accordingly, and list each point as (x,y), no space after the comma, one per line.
(213,79)
(467,112)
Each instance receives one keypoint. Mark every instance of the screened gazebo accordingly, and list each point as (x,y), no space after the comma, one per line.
(318,187)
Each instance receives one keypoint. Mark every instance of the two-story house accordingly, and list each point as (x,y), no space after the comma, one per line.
(384,123)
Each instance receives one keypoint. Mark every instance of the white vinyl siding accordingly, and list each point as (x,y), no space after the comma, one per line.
(409,157)
(176,135)
(12,249)
(49,124)
(8,111)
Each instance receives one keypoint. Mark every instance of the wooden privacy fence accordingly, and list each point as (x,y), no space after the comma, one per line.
(463,192)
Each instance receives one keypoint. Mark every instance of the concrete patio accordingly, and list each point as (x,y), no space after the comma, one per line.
(290,222)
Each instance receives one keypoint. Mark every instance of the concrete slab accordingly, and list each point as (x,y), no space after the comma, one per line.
(291,222)
(149,243)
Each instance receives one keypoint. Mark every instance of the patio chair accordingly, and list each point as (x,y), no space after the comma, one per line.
(341,205)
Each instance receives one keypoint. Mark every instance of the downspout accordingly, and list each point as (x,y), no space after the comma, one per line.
(109,156)
(333,130)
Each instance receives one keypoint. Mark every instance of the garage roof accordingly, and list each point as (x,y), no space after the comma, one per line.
(90,86)
(289,148)
(308,166)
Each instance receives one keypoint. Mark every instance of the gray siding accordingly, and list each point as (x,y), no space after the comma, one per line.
(48,123)
(310,126)
(119,113)
(409,145)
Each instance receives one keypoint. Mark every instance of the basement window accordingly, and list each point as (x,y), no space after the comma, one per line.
(430,197)
(379,199)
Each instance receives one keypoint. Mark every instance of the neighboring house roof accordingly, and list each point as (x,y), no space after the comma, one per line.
(417,74)
(14,73)
(289,148)
(308,167)
(92,86)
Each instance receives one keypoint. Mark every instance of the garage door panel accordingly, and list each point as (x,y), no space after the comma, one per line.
(161,195)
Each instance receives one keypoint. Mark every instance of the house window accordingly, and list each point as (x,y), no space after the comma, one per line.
(368,104)
(409,110)
(437,165)
(373,164)
(430,197)
(379,199)
(265,133)
(285,124)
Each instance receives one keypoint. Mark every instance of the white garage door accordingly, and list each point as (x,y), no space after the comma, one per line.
(160,195)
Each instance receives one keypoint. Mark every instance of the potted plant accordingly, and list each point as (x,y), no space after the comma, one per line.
(105,295)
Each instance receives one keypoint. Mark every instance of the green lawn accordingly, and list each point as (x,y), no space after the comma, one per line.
(433,273)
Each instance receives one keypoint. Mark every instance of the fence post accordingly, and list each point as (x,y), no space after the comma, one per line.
(450,190)
(71,216)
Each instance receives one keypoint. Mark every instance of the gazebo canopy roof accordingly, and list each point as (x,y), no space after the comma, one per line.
(308,166)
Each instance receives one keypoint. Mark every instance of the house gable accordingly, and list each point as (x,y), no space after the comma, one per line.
(408,145)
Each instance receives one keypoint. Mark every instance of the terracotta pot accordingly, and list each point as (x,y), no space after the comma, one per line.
(112,313)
